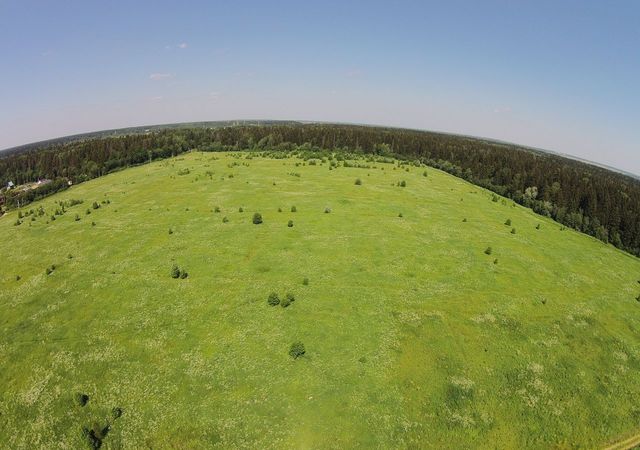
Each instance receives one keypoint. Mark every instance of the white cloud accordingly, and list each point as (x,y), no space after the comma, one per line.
(160,76)
(157,98)
(183,45)
(214,95)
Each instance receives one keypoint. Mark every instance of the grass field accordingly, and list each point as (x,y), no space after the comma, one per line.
(414,336)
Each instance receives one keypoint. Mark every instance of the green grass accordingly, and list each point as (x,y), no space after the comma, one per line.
(413,336)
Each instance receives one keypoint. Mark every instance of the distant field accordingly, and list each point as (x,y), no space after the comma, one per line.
(415,337)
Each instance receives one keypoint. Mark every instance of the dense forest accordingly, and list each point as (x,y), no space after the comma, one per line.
(594,200)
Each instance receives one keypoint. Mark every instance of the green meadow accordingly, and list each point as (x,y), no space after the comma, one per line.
(414,336)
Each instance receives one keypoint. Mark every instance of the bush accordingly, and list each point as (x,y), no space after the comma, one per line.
(358,182)
(95,205)
(495,261)
(296,350)
(93,224)
(116,413)
(216,209)
(290,224)
(183,274)
(538,227)
(289,299)
(513,231)
(399,214)
(257,219)
(305,281)
(424,174)
(273,299)
(81,399)
(279,209)
(50,269)
(403,183)
(327,210)
(77,218)
(175,271)
(464,220)
(494,198)
(294,209)
(241,209)
(508,222)
(170,231)
(18,277)
(488,251)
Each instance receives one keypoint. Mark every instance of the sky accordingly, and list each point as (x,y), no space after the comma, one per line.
(561,75)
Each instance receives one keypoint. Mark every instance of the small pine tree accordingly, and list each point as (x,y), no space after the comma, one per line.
(175,271)
(225,219)
(297,350)
(464,220)
(538,227)
(399,214)
(327,210)
(488,251)
(241,209)
(279,209)
(513,231)
(18,277)
(305,281)
(290,224)
(494,198)
(93,224)
(294,209)
(508,222)
(257,219)
(358,182)
(95,205)
(495,261)
(424,174)
(81,399)
(288,299)
(403,183)
(170,231)
(183,274)
(77,218)
(216,209)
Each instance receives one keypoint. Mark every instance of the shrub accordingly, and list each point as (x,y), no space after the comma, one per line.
(216,209)
(290,223)
(494,198)
(116,413)
(294,209)
(77,218)
(296,350)
(288,299)
(327,210)
(53,218)
(305,281)
(424,174)
(513,231)
(170,231)
(403,183)
(399,214)
(538,227)
(17,222)
(495,261)
(81,399)
(488,251)
(279,209)
(464,220)
(18,277)
(175,271)
(273,299)
(95,205)
(508,222)
(257,219)
(225,219)
(183,274)
(358,182)
(241,209)
(93,224)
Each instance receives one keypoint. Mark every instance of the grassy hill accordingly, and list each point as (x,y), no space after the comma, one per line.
(415,337)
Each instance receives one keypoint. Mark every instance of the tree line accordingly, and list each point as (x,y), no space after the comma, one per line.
(591,199)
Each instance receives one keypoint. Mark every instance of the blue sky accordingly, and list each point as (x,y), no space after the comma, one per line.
(561,75)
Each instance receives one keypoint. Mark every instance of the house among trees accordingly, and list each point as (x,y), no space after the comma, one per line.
(10,185)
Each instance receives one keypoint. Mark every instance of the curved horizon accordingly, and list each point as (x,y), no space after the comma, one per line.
(302,121)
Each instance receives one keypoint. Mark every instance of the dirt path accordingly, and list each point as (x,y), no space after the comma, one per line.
(629,443)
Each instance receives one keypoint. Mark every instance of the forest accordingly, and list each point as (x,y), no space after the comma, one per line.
(597,201)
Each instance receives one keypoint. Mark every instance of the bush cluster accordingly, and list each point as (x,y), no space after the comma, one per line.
(176,272)
(257,219)
(297,350)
